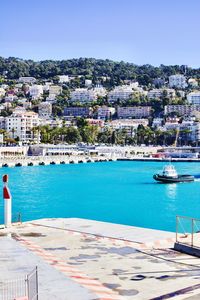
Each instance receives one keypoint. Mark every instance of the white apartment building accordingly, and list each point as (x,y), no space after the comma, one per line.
(158,93)
(21,123)
(178,81)
(88,83)
(53,123)
(47,86)
(157,122)
(63,78)
(10,98)
(134,85)
(128,125)
(55,90)
(83,95)
(45,109)
(193,82)
(105,112)
(134,112)
(181,109)
(2,92)
(194,97)
(123,92)
(100,91)
(51,99)
(36,91)
(27,80)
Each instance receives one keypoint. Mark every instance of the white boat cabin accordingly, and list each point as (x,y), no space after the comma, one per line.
(169,171)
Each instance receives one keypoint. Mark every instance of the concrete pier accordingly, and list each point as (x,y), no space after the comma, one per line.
(97,260)
(47,160)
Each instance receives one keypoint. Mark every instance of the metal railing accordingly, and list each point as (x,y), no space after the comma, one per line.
(17,217)
(188,231)
(25,287)
(13,289)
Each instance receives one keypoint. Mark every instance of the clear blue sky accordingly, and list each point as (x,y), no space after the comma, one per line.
(139,31)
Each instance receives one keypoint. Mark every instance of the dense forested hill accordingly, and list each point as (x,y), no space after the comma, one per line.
(89,68)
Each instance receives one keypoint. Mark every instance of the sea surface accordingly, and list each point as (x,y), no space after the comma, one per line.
(119,192)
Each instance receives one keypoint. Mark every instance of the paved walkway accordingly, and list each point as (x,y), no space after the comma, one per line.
(95,260)
(16,261)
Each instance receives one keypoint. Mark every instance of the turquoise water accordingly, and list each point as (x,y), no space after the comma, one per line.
(119,192)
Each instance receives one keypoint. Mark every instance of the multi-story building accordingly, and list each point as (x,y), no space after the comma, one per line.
(177,81)
(123,93)
(194,98)
(83,95)
(55,90)
(77,112)
(181,110)
(36,91)
(45,109)
(159,93)
(105,112)
(99,91)
(88,83)
(2,92)
(63,78)
(21,123)
(157,122)
(27,80)
(10,98)
(128,125)
(193,82)
(134,112)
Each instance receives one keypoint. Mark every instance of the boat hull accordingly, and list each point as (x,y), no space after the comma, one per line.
(168,179)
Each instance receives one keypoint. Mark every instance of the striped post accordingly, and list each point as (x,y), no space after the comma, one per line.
(7,202)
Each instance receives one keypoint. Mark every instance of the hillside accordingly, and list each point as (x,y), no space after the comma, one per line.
(90,68)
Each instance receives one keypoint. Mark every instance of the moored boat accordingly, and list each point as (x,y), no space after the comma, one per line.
(170,175)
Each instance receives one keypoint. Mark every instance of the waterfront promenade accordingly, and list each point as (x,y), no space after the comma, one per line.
(97,260)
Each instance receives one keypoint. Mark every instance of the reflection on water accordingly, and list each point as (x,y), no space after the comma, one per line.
(171,190)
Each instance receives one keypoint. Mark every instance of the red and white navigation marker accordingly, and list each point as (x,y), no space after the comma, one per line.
(7,202)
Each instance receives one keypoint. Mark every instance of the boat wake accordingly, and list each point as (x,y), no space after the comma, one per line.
(197,179)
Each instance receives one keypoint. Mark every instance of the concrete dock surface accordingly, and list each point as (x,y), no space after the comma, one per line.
(81,259)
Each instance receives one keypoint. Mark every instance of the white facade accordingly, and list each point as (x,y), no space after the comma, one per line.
(83,95)
(157,122)
(193,82)
(178,81)
(88,83)
(47,86)
(20,124)
(128,125)
(44,109)
(123,92)
(63,78)
(10,98)
(105,112)
(134,112)
(158,93)
(181,109)
(27,79)
(36,91)
(194,98)
(100,91)
(55,90)
(2,92)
